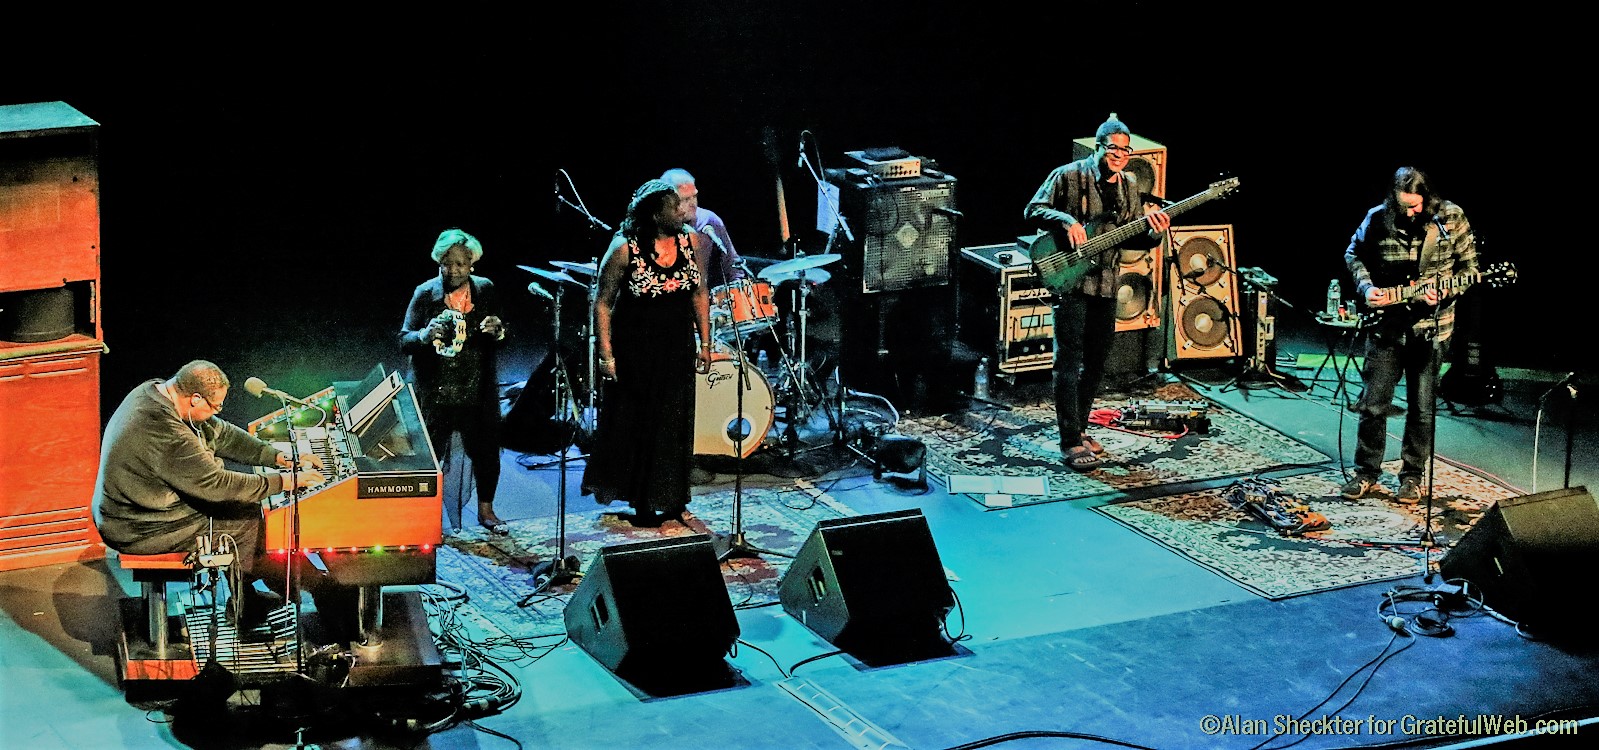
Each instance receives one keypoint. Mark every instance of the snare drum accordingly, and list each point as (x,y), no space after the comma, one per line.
(745,306)
(718,425)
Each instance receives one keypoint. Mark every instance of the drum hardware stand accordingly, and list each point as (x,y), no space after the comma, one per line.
(734,545)
(1258,368)
(561,569)
(590,412)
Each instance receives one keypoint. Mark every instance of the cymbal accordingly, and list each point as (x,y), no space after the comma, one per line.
(586,269)
(814,276)
(555,276)
(797,264)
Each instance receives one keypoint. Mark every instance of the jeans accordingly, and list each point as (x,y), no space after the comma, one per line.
(1084,327)
(1388,356)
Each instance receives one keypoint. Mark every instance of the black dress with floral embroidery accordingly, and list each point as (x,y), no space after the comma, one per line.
(644,439)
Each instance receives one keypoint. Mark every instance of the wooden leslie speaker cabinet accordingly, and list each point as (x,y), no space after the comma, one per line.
(1203,294)
(50,335)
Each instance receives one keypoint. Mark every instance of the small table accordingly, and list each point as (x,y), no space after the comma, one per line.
(1338,331)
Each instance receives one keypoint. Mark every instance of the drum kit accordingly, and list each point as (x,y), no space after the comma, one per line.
(743,313)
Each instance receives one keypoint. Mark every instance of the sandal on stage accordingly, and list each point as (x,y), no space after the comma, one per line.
(1080,458)
(492,522)
(1090,443)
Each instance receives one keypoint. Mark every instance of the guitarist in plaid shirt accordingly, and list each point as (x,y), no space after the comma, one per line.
(1413,237)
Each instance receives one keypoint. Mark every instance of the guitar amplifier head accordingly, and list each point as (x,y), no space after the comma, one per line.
(888,163)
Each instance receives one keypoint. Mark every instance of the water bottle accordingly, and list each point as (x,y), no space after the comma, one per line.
(1335,299)
(980,380)
(763,364)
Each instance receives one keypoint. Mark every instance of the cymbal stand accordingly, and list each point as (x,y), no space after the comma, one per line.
(734,545)
(560,569)
(591,410)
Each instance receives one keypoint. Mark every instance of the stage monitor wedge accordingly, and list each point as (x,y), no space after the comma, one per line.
(873,586)
(1532,558)
(656,613)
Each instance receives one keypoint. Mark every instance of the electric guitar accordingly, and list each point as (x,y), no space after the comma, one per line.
(1060,267)
(1496,275)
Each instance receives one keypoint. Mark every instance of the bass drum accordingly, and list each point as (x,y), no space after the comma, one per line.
(718,425)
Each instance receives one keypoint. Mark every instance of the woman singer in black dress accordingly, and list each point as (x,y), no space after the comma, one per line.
(650,305)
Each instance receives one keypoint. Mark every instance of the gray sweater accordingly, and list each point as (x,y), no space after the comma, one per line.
(153,466)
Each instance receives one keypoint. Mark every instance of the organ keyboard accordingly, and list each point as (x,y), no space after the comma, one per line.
(378,516)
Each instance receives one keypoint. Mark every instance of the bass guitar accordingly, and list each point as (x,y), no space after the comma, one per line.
(1060,267)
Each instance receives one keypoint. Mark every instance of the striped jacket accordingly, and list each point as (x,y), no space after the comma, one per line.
(1379,256)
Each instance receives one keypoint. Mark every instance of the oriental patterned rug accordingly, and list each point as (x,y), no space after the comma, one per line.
(493,572)
(1025,442)
(1374,538)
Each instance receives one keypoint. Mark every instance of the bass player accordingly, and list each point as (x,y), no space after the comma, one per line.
(1076,201)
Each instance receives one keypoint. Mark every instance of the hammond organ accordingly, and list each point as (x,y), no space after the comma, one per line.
(378,517)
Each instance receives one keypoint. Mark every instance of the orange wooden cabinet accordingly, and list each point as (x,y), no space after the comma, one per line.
(50,335)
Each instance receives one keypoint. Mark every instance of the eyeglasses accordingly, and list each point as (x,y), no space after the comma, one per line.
(214,407)
(1113,148)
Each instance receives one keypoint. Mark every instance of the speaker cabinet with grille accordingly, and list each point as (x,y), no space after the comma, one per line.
(904,230)
(1203,294)
(873,586)
(656,614)
(901,346)
(1148,161)
(1138,289)
(1532,558)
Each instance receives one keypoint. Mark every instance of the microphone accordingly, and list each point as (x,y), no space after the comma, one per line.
(258,387)
(1443,234)
(801,161)
(950,212)
(539,291)
(1397,623)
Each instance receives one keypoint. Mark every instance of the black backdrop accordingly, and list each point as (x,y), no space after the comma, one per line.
(270,190)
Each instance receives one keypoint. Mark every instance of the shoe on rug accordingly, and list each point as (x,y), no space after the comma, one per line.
(1409,490)
(1357,488)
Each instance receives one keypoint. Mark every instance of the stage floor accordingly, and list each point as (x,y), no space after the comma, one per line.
(1078,628)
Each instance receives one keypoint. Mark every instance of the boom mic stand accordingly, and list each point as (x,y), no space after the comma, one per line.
(734,545)
(840,430)
(292,582)
(560,569)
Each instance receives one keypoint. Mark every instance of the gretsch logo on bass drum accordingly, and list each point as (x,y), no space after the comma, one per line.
(713,377)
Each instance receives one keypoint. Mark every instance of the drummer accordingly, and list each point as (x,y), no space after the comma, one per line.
(723,265)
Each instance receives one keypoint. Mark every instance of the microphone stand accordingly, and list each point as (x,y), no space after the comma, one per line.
(840,429)
(561,569)
(1434,354)
(1259,365)
(292,581)
(734,545)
